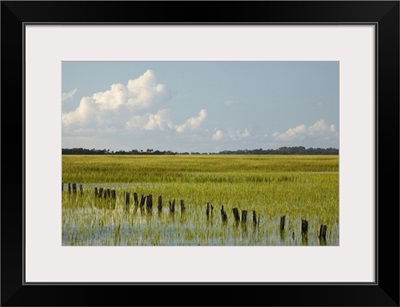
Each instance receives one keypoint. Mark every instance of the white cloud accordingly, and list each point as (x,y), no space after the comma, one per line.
(117,104)
(69,95)
(150,121)
(318,130)
(240,134)
(192,123)
(217,135)
(233,135)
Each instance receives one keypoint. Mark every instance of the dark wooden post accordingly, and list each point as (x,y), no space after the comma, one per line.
(244,216)
(282,223)
(322,234)
(224,216)
(182,206)
(159,204)
(127,199)
(69,188)
(254,218)
(282,227)
(304,232)
(81,188)
(136,199)
(236,215)
(113,195)
(172,206)
(74,188)
(100,195)
(304,227)
(96,192)
(149,203)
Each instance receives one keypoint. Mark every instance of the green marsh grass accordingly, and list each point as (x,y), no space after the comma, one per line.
(300,187)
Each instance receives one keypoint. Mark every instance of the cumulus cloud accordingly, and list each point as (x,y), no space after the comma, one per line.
(217,135)
(114,104)
(192,123)
(318,130)
(151,121)
(240,134)
(69,95)
(234,135)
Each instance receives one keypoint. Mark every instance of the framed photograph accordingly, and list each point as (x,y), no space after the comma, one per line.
(242,153)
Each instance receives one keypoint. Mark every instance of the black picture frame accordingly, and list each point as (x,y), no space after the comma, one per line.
(383,14)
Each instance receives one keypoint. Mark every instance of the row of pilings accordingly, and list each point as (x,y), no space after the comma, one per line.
(145,204)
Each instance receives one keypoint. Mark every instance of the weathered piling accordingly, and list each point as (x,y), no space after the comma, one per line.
(254,218)
(74,188)
(236,215)
(282,223)
(69,188)
(127,200)
(224,216)
(159,206)
(135,199)
(182,206)
(149,203)
(172,206)
(304,232)
(100,194)
(96,192)
(322,234)
(244,216)
(142,203)
(282,227)
(113,195)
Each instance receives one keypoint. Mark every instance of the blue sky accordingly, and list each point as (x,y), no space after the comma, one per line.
(199,106)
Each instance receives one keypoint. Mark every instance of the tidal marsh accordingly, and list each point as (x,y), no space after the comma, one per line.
(297,187)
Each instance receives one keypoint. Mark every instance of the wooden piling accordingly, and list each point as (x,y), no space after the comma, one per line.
(282,223)
(96,192)
(304,227)
(113,196)
(136,199)
(244,216)
(236,215)
(100,194)
(149,203)
(224,216)
(74,188)
(172,206)
(159,204)
(69,188)
(127,200)
(81,188)
(182,206)
(322,234)
(254,218)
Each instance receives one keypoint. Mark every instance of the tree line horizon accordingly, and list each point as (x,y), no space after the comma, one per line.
(296,150)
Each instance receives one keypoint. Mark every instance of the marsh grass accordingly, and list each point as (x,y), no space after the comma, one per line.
(300,187)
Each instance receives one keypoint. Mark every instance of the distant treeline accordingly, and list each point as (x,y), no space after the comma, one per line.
(298,150)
